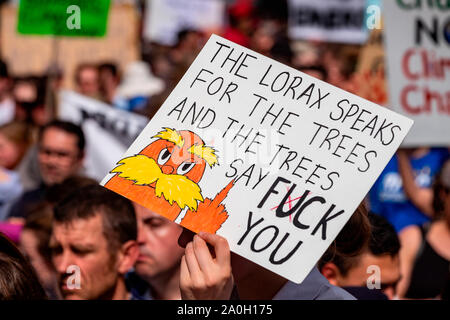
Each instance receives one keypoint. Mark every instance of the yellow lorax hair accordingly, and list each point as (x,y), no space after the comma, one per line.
(171,135)
(204,152)
(173,187)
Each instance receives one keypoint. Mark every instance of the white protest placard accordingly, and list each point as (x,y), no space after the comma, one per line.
(417,43)
(327,20)
(108,131)
(165,18)
(272,159)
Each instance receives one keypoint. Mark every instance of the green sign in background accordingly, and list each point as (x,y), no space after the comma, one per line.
(49,17)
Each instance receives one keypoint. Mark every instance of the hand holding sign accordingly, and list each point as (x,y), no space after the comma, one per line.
(269,158)
(203,276)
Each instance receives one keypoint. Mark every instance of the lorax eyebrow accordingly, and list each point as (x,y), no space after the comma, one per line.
(204,152)
(170,135)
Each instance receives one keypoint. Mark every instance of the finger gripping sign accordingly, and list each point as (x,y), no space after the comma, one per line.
(268,157)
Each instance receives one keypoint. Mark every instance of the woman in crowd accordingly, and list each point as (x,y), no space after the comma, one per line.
(18,280)
(14,142)
(426,258)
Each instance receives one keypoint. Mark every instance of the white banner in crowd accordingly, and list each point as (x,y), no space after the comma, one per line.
(272,159)
(417,43)
(165,18)
(108,131)
(327,20)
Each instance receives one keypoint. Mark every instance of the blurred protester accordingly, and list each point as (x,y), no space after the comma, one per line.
(14,141)
(7,108)
(306,54)
(15,138)
(240,22)
(402,193)
(139,85)
(263,39)
(340,63)
(426,257)
(34,243)
(35,234)
(157,269)
(87,80)
(109,81)
(189,44)
(60,155)
(353,273)
(203,276)
(29,95)
(94,237)
(17,278)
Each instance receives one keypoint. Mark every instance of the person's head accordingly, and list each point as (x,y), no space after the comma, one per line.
(61,151)
(29,96)
(189,40)
(15,138)
(87,79)
(441,193)
(109,78)
(34,243)
(18,280)
(379,258)
(94,233)
(159,252)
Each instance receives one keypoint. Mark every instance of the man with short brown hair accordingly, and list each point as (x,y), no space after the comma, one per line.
(94,244)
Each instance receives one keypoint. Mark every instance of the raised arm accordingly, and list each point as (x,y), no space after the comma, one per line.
(422,198)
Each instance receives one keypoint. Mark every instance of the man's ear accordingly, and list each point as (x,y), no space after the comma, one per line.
(331,272)
(128,256)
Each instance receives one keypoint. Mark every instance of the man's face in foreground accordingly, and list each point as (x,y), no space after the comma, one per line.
(81,243)
(159,252)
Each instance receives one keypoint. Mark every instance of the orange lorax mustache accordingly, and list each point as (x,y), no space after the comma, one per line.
(143,171)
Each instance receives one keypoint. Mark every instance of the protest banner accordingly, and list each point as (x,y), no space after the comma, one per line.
(108,131)
(63,17)
(417,42)
(26,54)
(165,18)
(272,159)
(330,20)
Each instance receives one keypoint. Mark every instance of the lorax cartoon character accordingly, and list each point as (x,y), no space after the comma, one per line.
(164,177)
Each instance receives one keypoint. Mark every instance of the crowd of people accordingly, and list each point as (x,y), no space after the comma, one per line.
(63,236)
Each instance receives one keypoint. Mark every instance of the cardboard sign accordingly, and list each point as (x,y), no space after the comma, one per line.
(270,158)
(417,41)
(165,18)
(330,20)
(108,131)
(119,45)
(63,17)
